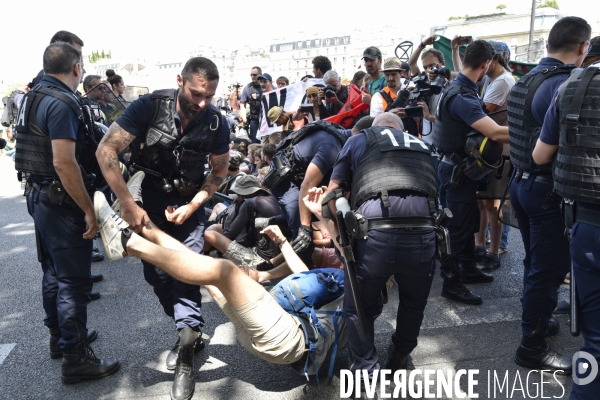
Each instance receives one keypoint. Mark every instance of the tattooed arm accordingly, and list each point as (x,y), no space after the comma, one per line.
(114,142)
(209,187)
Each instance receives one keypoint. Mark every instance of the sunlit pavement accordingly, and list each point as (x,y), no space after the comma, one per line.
(133,328)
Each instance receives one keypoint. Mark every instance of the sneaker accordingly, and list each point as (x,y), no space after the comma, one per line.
(567,279)
(134,184)
(503,250)
(111,226)
(563,307)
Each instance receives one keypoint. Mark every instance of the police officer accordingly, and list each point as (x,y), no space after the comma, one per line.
(393,186)
(309,153)
(460,111)
(251,97)
(171,132)
(567,130)
(531,193)
(54,152)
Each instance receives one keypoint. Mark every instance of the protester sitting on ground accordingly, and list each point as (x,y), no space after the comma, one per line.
(324,254)
(268,151)
(251,168)
(285,119)
(262,326)
(239,241)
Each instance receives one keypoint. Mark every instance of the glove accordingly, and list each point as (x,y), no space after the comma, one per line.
(303,240)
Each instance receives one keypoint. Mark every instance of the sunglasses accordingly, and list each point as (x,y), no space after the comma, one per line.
(253,74)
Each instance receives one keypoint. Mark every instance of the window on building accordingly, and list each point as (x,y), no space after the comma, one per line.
(344,49)
(307,53)
(344,60)
(335,50)
(305,63)
(297,64)
(334,60)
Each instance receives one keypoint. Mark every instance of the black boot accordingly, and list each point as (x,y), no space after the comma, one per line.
(472,274)
(172,356)
(183,386)
(56,334)
(81,364)
(454,290)
(396,361)
(553,327)
(541,356)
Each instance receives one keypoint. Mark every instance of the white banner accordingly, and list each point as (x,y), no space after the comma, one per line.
(289,97)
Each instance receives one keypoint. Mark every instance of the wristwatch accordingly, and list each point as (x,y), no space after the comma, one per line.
(422,46)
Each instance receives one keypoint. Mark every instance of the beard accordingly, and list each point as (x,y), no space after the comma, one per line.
(188,108)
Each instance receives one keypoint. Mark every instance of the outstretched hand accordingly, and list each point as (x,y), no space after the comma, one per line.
(274,233)
(313,199)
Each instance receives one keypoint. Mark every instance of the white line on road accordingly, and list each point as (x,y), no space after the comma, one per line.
(5,349)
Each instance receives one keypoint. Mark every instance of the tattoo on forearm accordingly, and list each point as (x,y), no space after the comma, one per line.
(111,161)
(117,138)
(221,162)
(216,180)
(206,188)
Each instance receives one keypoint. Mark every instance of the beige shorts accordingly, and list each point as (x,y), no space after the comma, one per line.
(266,330)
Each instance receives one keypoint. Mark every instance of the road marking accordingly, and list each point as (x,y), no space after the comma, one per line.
(5,349)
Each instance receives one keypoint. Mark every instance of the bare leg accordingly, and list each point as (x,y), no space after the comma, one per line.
(183,264)
(483,224)
(217,209)
(278,272)
(208,244)
(495,225)
(217,240)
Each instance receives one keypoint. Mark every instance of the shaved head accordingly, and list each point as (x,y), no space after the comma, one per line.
(390,120)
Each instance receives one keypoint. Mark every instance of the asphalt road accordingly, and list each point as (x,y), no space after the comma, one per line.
(133,328)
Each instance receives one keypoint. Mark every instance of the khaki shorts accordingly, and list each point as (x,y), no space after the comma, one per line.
(266,330)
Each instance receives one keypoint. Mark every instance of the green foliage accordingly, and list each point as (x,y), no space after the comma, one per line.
(500,7)
(96,55)
(549,4)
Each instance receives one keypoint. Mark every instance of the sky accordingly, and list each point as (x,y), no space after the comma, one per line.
(161,30)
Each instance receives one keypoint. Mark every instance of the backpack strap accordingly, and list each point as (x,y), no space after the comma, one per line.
(576,103)
(388,99)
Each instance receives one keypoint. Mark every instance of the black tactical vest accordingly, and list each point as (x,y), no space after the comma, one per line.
(577,166)
(34,148)
(286,146)
(254,103)
(393,160)
(166,151)
(523,128)
(449,131)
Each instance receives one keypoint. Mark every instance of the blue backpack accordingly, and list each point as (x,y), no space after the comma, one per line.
(302,295)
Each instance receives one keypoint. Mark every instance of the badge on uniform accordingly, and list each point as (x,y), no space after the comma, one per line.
(152,137)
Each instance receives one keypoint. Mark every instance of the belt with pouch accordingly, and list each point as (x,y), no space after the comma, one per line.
(539,178)
(45,189)
(400,222)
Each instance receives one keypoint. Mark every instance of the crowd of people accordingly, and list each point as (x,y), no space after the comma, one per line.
(363,206)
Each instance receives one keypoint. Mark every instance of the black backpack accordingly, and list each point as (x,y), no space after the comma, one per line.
(9,116)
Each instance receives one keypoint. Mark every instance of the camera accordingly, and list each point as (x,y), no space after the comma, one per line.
(329,91)
(422,90)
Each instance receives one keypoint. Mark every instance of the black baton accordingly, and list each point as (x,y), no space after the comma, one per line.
(342,208)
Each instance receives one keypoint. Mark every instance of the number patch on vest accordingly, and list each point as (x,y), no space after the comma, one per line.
(397,140)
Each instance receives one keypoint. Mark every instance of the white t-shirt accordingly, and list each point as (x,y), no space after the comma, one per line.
(496,91)
(377,100)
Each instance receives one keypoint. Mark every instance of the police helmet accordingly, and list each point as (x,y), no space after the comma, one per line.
(484,155)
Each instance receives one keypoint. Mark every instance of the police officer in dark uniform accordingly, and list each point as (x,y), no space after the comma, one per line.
(251,98)
(171,132)
(537,208)
(303,160)
(459,112)
(54,154)
(393,187)
(571,128)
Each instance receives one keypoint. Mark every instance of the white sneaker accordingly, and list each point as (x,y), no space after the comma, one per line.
(111,228)
(134,184)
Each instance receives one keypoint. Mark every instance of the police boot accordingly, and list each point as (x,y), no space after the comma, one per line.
(453,289)
(471,274)
(553,327)
(541,356)
(81,364)
(172,357)
(183,386)
(396,360)
(56,334)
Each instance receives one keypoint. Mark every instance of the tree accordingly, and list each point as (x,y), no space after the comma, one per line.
(549,4)
(501,7)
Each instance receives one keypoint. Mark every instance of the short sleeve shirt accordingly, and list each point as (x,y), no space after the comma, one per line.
(466,106)
(496,91)
(55,117)
(401,204)
(545,93)
(137,117)
(377,85)
(550,133)
(320,148)
(246,93)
